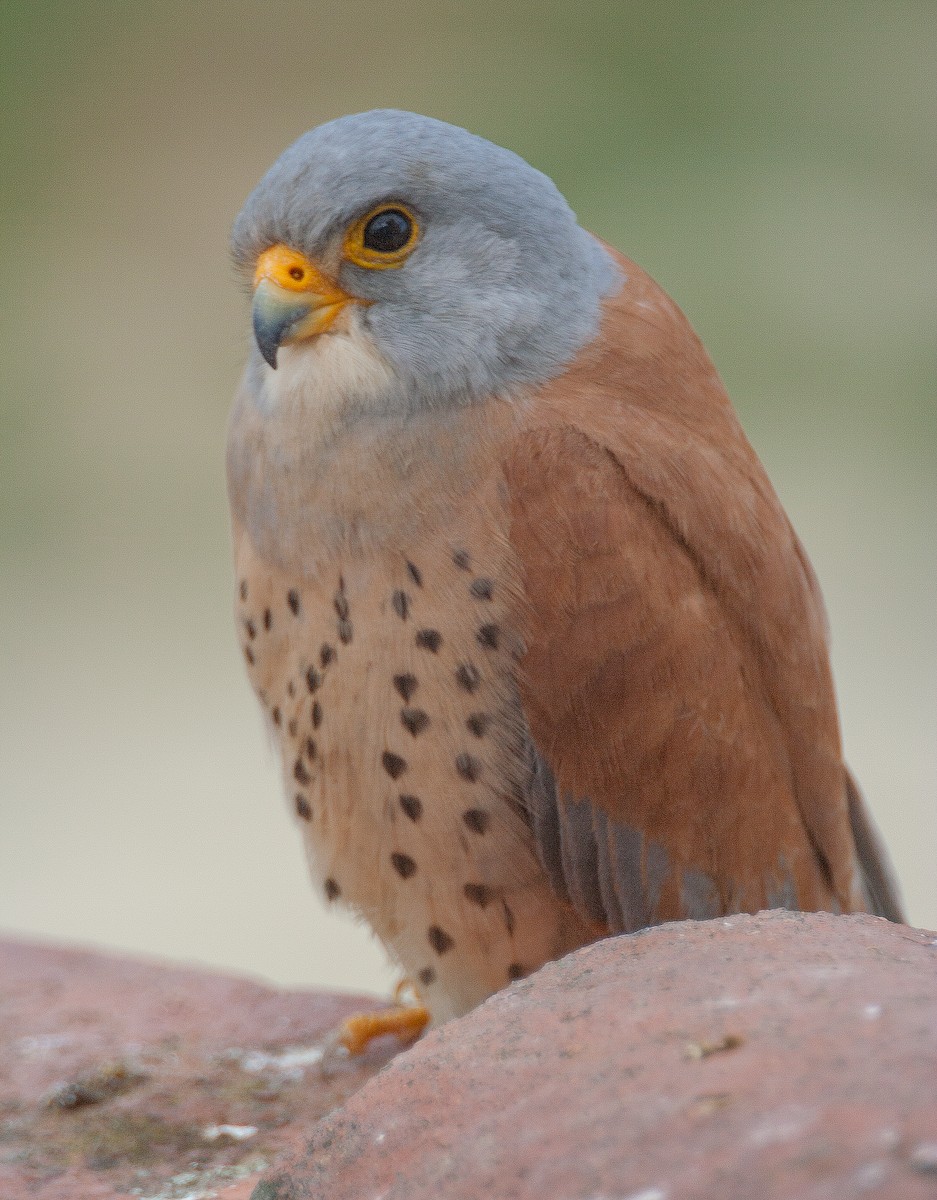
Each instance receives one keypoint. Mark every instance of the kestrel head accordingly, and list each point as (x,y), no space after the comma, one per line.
(450,260)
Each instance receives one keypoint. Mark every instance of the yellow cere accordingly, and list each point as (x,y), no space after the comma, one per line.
(292,271)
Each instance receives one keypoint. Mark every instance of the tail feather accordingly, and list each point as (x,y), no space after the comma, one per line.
(881,886)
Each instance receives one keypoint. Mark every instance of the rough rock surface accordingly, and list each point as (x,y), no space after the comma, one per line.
(118,1077)
(784,1055)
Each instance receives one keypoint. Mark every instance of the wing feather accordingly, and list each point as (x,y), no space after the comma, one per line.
(676,681)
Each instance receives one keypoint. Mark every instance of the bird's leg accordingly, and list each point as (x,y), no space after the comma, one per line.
(406,1021)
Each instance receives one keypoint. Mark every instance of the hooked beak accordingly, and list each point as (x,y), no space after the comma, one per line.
(293,300)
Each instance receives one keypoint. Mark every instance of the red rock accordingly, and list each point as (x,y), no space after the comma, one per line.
(113,1071)
(785,1055)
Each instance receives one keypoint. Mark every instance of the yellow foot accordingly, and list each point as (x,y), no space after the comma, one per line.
(406,1021)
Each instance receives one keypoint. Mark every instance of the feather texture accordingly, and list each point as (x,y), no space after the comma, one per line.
(676,682)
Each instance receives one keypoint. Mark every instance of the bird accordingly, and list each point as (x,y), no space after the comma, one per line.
(543,657)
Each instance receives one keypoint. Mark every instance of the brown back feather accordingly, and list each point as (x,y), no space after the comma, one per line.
(677,674)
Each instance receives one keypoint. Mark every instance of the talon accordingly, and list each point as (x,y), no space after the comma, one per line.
(406,994)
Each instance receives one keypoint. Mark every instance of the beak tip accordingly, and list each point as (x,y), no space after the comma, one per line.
(268,331)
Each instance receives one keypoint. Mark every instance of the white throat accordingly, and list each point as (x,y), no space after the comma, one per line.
(332,379)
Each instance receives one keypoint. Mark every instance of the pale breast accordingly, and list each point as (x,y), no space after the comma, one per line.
(390,682)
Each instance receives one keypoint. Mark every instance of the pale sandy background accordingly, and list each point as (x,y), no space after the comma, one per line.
(771,165)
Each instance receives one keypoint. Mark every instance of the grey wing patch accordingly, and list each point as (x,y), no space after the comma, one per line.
(573,846)
(607,870)
(700,896)
(612,874)
(883,898)
(782,892)
(656,870)
(579,858)
(577,848)
(545,818)
(628,876)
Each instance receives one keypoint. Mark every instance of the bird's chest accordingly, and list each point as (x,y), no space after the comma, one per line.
(389,680)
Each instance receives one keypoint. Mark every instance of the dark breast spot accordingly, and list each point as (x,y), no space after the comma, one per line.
(478,893)
(477,819)
(415,574)
(326,654)
(341,605)
(403,864)
(478,724)
(393,764)
(414,719)
(316,714)
(275,715)
(313,679)
(345,632)
(300,774)
(292,599)
(427,976)
(332,890)
(439,939)
(467,677)
(268,618)
(243,589)
(251,629)
(412,806)
(310,749)
(302,807)
(406,685)
(462,560)
(489,636)
(482,589)
(516,971)
(249,655)
(429,639)
(468,767)
(401,604)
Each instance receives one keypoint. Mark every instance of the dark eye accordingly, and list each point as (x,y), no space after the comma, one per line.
(388,231)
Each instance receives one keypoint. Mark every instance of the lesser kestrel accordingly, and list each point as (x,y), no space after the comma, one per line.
(543,656)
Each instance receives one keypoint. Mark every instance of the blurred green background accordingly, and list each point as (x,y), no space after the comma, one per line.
(770,164)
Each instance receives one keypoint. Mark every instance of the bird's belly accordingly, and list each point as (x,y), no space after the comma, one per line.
(390,684)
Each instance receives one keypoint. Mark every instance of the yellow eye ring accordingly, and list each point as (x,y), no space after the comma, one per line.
(398,229)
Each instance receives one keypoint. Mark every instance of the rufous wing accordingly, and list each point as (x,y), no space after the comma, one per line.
(685,756)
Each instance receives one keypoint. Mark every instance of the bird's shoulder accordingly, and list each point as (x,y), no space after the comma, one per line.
(638,439)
